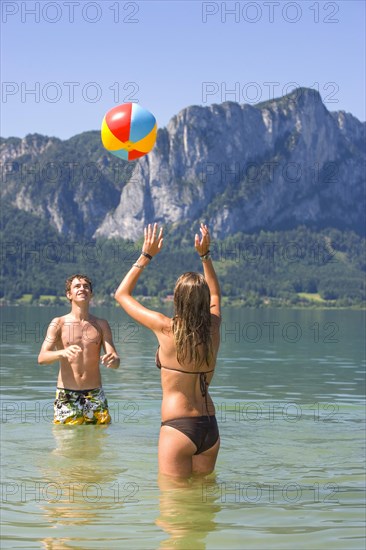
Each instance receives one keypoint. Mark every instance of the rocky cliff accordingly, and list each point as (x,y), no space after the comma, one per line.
(272,166)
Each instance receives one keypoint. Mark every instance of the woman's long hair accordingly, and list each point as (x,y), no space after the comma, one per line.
(192,319)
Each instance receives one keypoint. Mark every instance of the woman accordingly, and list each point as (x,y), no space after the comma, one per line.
(186,356)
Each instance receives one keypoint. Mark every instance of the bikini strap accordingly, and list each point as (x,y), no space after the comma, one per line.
(160,366)
(203,377)
(203,388)
(157,359)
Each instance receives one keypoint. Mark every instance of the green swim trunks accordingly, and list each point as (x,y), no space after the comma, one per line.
(81,407)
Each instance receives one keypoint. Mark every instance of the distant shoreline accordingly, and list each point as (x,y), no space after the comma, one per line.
(155,302)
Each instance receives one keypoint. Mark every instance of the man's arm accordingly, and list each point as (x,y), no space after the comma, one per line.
(49,352)
(111,358)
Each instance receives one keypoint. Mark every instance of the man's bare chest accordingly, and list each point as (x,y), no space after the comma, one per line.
(80,333)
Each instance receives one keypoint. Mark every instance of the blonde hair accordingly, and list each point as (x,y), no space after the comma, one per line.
(192,319)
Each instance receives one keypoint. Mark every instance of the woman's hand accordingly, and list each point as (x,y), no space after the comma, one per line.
(202,245)
(153,242)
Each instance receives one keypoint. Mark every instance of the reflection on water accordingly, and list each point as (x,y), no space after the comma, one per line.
(188,509)
(77,479)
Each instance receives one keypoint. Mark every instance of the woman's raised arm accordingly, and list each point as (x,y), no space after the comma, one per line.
(202,245)
(153,242)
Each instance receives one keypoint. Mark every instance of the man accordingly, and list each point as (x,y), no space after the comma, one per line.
(76,340)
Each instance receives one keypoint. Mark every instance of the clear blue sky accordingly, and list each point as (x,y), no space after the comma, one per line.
(82,58)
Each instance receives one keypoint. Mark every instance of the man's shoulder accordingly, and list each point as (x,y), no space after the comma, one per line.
(101,322)
(63,320)
(57,323)
(58,320)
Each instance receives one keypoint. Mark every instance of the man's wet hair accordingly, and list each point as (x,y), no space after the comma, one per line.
(70,279)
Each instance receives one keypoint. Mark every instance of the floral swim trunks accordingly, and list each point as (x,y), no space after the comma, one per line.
(81,407)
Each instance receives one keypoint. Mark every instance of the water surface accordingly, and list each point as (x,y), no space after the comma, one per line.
(289,393)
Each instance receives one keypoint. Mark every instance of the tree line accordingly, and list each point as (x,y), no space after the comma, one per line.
(253,269)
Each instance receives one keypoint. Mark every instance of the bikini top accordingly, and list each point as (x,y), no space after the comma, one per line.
(203,377)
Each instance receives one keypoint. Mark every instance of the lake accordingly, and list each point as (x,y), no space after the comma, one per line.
(289,393)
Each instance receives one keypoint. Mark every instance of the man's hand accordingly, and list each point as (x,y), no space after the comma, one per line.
(71,352)
(110,360)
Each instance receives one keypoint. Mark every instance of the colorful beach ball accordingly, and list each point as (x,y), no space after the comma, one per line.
(129,131)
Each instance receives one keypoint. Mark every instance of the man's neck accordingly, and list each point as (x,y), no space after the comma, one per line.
(80,313)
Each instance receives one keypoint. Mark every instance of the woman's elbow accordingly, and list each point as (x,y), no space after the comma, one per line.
(120,297)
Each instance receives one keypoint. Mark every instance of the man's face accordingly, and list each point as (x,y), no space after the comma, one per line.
(80,291)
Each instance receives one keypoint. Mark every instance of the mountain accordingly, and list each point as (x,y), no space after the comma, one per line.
(273,166)
(71,184)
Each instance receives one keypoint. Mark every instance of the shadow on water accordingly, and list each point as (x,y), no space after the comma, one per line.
(188,509)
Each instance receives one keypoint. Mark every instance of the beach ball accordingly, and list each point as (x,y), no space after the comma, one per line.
(129,131)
